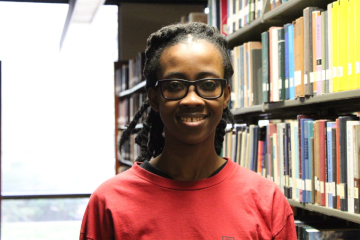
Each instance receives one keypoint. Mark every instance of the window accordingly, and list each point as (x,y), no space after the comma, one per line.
(57,117)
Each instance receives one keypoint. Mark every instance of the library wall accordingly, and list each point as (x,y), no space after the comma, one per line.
(138,20)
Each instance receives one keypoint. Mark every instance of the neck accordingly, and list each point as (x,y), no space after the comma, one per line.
(188,162)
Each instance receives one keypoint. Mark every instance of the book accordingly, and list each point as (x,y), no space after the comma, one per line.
(246,76)
(322,159)
(271,129)
(319,78)
(265,65)
(291,62)
(357,46)
(338,186)
(343,160)
(313,74)
(309,134)
(256,73)
(317,192)
(274,63)
(295,160)
(356,168)
(342,43)
(329,48)
(324,45)
(351,43)
(280,155)
(330,161)
(281,64)
(289,161)
(350,163)
(286,62)
(335,46)
(242,77)
(299,57)
(308,48)
(334,166)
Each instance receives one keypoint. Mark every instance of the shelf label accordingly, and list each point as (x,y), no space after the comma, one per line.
(356,193)
(291,82)
(317,186)
(264,87)
(334,72)
(280,84)
(333,188)
(357,67)
(328,73)
(297,78)
(290,182)
(305,79)
(342,191)
(340,71)
(286,83)
(349,69)
(312,78)
(350,192)
(322,190)
(323,77)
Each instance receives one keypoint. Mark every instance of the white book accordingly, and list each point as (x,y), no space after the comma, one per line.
(243,147)
(275,165)
(294,135)
(329,49)
(280,128)
(238,147)
(350,162)
(275,63)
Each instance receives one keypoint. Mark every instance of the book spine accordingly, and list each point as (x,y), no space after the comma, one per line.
(322,150)
(334,168)
(335,46)
(329,47)
(310,176)
(286,35)
(318,56)
(241,75)
(342,43)
(281,58)
(265,65)
(351,43)
(291,63)
(356,169)
(299,58)
(357,46)
(324,57)
(307,12)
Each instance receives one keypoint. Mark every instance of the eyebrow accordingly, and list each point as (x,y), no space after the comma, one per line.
(200,75)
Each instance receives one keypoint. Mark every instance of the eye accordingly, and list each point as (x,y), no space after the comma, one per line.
(174,86)
(208,85)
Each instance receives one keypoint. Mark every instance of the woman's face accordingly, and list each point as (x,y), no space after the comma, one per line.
(192,119)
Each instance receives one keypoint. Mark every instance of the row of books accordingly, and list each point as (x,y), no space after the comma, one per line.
(276,3)
(312,160)
(242,13)
(315,227)
(314,55)
(129,73)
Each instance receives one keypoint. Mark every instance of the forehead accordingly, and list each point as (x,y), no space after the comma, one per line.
(191,56)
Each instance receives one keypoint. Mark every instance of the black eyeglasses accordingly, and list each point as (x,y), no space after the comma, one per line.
(175,89)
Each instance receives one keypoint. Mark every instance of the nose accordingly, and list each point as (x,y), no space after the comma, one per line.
(192,99)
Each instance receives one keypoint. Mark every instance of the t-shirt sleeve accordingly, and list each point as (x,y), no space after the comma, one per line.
(283,218)
(97,221)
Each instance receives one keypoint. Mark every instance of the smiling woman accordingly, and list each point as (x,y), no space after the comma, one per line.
(180,187)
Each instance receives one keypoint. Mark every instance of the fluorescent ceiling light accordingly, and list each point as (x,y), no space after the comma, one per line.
(80,11)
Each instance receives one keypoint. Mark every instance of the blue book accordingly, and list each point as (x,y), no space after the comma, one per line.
(286,32)
(304,154)
(242,76)
(291,62)
(329,152)
(310,170)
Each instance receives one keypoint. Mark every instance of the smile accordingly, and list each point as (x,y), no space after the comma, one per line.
(192,119)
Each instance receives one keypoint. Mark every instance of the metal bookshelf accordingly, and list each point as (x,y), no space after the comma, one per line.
(353,217)
(285,13)
(130,91)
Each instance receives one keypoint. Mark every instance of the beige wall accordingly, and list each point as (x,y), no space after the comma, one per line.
(138,20)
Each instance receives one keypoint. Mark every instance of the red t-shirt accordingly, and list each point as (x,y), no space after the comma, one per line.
(234,204)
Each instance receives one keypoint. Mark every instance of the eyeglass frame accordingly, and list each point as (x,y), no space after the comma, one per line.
(223,82)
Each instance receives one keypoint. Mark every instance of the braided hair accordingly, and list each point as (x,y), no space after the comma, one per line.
(150,138)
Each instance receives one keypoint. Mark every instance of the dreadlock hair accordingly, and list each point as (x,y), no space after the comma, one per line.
(150,138)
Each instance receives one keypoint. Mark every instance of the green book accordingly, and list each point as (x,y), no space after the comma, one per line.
(265,66)
(281,50)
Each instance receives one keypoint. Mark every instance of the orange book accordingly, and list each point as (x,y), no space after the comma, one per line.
(299,57)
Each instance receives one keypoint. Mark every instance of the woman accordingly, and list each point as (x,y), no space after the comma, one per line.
(179,187)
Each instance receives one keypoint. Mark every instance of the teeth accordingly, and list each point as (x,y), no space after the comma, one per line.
(195,119)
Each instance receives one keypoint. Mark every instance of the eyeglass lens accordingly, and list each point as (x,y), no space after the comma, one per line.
(207,88)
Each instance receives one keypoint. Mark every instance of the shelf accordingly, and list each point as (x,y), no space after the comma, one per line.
(285,13)
(343,100)
(353,217)
(130,91)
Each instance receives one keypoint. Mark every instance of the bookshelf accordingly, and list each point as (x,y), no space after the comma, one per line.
(329,105)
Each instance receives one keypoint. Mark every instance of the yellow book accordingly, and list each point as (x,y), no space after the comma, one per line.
(357,43)
(343,46)
(335,45)
(351,44)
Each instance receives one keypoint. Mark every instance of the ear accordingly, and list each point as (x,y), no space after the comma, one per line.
(153,96)
(227,93)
